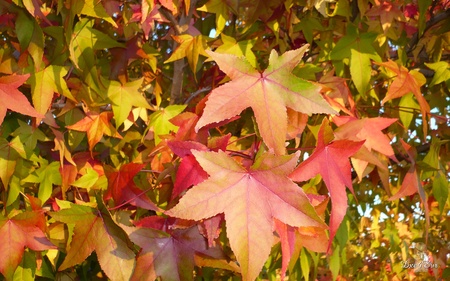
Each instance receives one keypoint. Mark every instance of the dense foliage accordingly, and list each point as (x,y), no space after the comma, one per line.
(216,140)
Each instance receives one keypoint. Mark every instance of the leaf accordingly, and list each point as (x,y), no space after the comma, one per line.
(221,9)
(92,8)
(190,47)
(330,160)
(8,161)
(122,188)
(160,120)
(96,231)
(34,8)
(60,146)
(167,255)
(31,37)
(267,93)
(357,47)
(20,231)
(149,14)
(95,125)
(404,83)
(250,199)
(11,98)
(241,49)
(124,97)
(442,72)
(47,82)
(370,131)
(46,176)
(189,171)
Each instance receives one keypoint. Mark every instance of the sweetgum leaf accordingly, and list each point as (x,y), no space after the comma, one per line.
(11,98)
(250,199)
(20,231)
(96,231)
(267,93)
(330,160)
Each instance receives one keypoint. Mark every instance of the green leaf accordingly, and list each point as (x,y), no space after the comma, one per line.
(335,262)
(240,49)
(424,5)
(8,162)
(359,49)
(31,37)
(26,270)
(46,176)
(442,72)
(305,263)
(88,180)
(409,104)
(159,120)
(222,11)
(45,83)
(360,69)
(440,189)
(92,8)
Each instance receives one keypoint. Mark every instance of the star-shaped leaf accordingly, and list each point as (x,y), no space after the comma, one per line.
(95,125)
(404,83)
(190,47)
(267,93)
(47,82)
(160,120)
(11,98)
(169,255)
(330,160)
(250,199)
(124,97)
(122,188)
(20,231)
(95,230)
(357,47)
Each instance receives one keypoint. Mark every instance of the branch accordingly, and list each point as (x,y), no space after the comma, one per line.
(196,93)
(433,21)
(180,27)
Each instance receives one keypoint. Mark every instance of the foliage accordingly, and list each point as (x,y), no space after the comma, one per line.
(215,139)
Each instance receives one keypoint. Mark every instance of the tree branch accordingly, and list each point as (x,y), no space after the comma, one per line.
(179,27)
(433,21)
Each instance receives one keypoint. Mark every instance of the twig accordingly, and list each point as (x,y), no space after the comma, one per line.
(196,93)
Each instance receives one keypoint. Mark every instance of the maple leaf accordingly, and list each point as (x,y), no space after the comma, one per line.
(370,131)
(358,47)
(190,47)
(124,97)
(11,98)
(8,161)
(47,82)
(169,255)
(222,9)
(387,12)
(149,14)
(47,175)
(95,125)
(94,230)
(122,188)
(250,199)
(330,160)
(20,231)
(92,8)
(60,146)
(240,49)
(404,83)
(160,120)
(267,93)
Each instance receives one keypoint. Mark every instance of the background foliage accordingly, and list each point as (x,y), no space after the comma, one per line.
(105,124)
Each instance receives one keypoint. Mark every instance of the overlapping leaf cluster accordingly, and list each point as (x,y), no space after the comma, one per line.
(215,139)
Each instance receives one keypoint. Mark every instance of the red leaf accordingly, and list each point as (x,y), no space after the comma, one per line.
(11,98)
(331,162)
(122,188)
(19,232)
(250,199)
